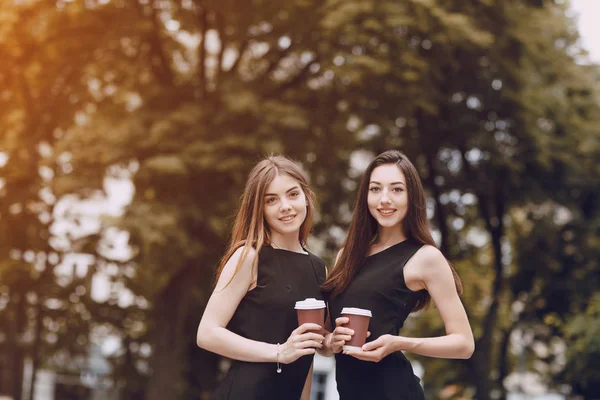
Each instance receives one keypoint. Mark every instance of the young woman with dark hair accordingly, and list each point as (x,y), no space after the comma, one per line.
(250,315)
(389,264)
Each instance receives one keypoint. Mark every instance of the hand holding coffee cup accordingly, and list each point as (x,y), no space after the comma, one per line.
(340,335)
(303,341)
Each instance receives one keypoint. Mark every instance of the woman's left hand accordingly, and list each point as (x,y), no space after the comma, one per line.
(376,350)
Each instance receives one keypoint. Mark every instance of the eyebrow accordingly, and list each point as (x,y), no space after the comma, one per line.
(393,183)
(287,191)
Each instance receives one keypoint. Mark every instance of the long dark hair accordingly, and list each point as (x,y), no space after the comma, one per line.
(363,228)
(250,229)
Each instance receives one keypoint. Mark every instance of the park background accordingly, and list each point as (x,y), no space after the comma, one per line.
(128,127)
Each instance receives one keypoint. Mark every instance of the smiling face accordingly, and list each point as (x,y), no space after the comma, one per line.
(285,206)
(388,197)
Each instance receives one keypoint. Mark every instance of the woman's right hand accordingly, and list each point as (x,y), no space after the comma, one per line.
(302,342)
(340,335)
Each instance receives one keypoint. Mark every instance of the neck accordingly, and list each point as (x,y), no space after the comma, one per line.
(389,236)
(286,242)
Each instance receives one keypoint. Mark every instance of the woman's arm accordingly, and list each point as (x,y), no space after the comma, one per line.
(432,273)
(212,333)
(438,280)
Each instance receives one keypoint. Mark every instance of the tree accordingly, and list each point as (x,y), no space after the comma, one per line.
(45,55)
(182,97)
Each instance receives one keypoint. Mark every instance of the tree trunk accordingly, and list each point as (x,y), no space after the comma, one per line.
(491,210)
(36,343)
(482,368)
(16,357)
(440,212)
(169,342)
(480,371)
(503,367)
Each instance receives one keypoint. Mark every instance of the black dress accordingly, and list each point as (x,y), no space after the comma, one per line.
(379,286)
(266,314)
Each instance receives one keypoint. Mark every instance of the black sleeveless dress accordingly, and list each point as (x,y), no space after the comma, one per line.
(379,286)
(266,314)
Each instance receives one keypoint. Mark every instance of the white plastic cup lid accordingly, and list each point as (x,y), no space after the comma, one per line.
(309,304)
(356,311)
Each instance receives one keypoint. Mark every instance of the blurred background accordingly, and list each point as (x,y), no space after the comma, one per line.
(128,127)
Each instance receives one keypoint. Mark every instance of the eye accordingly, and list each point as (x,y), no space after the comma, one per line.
(374,189)
(398,189)
(294,194)
(271,200)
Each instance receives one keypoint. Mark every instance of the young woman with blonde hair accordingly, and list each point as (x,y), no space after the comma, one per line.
(250,316)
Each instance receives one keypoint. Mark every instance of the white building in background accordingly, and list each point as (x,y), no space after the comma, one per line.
(323,384)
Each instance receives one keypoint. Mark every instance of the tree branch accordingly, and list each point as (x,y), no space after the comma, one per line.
(241,51)
(202,50)
(299,78)
(275,56)
(223,38)
(162,68)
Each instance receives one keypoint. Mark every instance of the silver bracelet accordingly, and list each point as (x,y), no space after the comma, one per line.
(277,359)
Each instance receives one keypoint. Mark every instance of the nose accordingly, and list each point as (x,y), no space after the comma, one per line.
(285,205)
(385,199)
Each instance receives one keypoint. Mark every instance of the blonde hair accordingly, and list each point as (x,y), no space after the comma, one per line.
(249,229)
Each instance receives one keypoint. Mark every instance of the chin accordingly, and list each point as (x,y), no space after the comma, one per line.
(289,228)
(388,223)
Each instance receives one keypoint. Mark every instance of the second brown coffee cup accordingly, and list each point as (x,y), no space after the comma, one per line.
(311,311)
(359,319)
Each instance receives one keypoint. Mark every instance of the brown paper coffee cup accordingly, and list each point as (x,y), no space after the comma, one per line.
(359,322)
(311,311)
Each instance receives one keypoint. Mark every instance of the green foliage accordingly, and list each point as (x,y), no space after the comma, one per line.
(583,333)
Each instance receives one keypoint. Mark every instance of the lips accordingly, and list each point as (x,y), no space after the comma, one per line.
(386,212)
(287,218)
